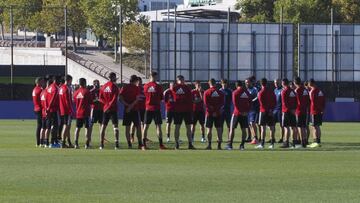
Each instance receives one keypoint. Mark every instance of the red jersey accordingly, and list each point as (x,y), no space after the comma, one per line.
(36,98)
(129,94)
(267,100)
(153,95)
(242,101)
(198,103)
(317,99)
(95,104)
(169,100)
(214,101)
(109,94)
(65,100)
(303,101)
(82,99)
(288,100)
(52,98)
(183,98)
(141,102)
(43,102)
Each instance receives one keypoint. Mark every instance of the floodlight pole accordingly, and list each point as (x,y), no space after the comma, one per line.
(228,45)
(121,44)
(66,41)
(332,46)
(12,52)
(175,61)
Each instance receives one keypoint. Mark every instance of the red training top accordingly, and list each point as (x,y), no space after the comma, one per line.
(109,94)
(267,100)
(317,99)
(288,100)
(43,102)
(141,102)
(36,98)
(214,100)
(130,93)
(153,95)
(303,101)
(169,100)
(183,98)
(83,100)
(198,103)
(242,101)
(52,98)
(65,100)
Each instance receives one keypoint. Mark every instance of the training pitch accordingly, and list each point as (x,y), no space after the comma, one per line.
(29,174)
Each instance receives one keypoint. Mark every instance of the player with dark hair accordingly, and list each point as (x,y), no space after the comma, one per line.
(154,95)
(198,110)
(52,110)
(169,107)
(96,114)
(289,103)
(228,102)
(44,133)
(277,110)
(141,108)
(303,101)
(183,110)
(254,111)
(214,100)
(308,88)
(267,102)
(129,96)
(242,103)
(83,99)
(36,97)
(317,106)
(66,110)
(109,96)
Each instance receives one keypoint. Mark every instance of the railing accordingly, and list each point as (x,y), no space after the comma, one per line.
(7,43)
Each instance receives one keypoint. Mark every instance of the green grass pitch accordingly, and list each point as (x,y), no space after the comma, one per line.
(29,174)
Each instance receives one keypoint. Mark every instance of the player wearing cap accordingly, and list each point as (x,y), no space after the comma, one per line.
(214,103)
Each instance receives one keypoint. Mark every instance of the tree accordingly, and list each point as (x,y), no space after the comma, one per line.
(349,10)
(2,23)
(256,10)
(303,11)
(52,17)
(76,20)
(137,37)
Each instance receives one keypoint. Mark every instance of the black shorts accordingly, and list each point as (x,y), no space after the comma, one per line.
(179,117)
(110,115)
(52,120)
(198,116)
(301,120)
(170,116)
(153,115)
(266,119)
(316,120)
(97,116)
(142,115)
(218,121)
(81,121)
(65,120)
(227,117)
(131,117)
(288,120)
(242,120)
(277,116)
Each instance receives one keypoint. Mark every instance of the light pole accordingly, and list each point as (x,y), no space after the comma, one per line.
(120,42)
(66,41)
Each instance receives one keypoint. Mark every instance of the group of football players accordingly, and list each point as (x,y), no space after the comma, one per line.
(253,105)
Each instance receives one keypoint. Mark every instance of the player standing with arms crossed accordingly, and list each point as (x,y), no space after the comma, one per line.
(317,107)
(183,110)
(154,95)
(242,103)
(109,96)
(83,99)
(198,111)
(214,103)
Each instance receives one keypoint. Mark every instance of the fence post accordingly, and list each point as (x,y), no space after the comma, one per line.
(12,52)
(190,55)
(158,50)
(66,41)
(253,53)
(222,57)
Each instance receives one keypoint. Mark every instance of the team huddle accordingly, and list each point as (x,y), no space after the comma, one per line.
(252,105)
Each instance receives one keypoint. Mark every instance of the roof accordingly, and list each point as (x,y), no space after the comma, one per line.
(204,14)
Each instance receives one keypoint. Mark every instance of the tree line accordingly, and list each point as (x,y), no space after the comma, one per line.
(102,16)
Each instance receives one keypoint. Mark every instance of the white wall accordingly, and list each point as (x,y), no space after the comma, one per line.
(77,71)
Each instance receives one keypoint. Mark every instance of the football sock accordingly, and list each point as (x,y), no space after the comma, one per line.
(160,140)
(129,143)
(263,142)
(272,141)
(168,135)
(47,142)
(318,140)
(294,142)
(41,141)
(177,145)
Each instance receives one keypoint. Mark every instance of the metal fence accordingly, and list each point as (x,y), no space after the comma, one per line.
(330,52)
(203,50)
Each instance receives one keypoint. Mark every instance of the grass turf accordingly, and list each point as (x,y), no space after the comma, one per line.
(29,174)
(18,80)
